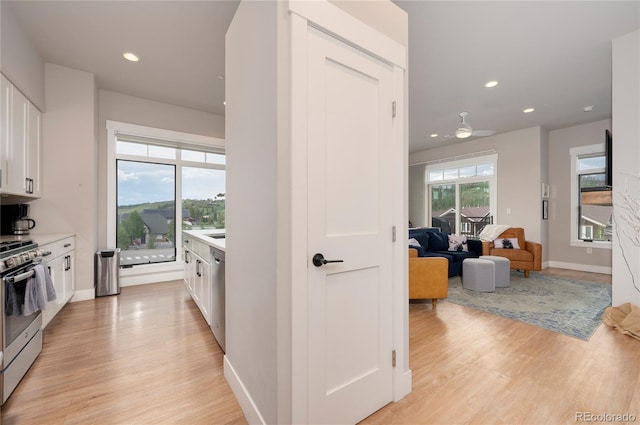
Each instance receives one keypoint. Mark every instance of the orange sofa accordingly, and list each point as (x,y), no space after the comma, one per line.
(428,277)
(527,258)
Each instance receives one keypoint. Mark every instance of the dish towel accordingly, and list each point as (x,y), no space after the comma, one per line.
(37,290)
(44,276)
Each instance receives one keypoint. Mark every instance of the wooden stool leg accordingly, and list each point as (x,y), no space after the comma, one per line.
(434,301)
(526,273)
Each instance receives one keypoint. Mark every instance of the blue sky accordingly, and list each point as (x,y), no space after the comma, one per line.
(140,182)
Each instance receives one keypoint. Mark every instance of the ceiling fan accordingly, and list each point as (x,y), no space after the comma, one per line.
(464,130)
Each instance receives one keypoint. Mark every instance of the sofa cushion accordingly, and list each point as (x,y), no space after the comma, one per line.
(513,254)
(444,254)
(459,256)
(421,235)
(438,241)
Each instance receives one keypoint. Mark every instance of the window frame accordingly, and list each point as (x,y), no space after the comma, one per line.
(575,154)
(455,163)
(159,137)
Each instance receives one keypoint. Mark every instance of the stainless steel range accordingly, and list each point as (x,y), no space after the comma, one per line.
(21,334)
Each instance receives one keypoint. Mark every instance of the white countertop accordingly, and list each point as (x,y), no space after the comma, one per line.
(203,236)
(40,239)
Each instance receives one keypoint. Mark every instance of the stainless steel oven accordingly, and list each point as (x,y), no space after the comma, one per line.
(21,333)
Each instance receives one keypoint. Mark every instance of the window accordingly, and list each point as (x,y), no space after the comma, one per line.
(165,182)
(590,223)
(461,195)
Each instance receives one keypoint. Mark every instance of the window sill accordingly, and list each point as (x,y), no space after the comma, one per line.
(594,244)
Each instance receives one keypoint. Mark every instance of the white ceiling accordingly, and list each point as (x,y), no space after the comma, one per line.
(552,55)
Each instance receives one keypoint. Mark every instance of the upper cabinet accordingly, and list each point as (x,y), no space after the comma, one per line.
(20,141)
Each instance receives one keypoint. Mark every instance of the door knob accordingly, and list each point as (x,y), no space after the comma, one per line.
(318,260)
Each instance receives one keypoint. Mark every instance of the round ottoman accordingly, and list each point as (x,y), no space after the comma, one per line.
(478,275)
(502,270)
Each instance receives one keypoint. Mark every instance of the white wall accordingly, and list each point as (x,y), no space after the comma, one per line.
(69,198)
(519,176)
(251,204)
(20,61)
(561,253)
(134,110)
(626,166)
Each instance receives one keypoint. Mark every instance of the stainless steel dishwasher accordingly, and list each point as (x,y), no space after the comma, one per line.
(217,295)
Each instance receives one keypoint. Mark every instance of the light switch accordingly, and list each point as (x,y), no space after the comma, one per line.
(508,210)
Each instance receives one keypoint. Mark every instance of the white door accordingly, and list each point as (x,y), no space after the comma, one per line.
(350,138)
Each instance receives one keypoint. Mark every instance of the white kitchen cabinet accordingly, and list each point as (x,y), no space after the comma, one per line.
(189,270)
(5,134)
(20,141)
(197,275)
(60,262)
(33,155)
(202,288)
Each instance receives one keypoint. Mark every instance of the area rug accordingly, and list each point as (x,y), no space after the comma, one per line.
(566,306)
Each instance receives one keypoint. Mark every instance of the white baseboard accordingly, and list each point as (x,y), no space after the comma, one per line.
(250,410)
(146,278)
(83,295)
(580,267)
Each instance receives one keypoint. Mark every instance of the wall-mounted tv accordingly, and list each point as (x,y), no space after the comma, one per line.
(608,171)
(608,166)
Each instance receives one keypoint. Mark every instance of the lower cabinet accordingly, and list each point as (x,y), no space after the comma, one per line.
(60,263)
(197,279)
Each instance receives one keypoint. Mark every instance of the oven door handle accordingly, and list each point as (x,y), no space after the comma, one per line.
(20,277)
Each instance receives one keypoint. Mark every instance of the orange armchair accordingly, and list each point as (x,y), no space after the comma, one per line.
(527,258)
(428,277)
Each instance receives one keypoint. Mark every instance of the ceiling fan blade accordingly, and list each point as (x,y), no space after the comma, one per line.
(483,133)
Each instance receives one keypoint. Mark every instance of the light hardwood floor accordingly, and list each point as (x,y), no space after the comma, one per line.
(147,357)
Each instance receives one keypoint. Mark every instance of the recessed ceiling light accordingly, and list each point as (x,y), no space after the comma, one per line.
(224,103)
(588,108)
(491,84)
(130,57)
(433,135)
(528,110)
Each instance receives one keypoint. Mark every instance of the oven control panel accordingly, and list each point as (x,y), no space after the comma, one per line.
(24,257)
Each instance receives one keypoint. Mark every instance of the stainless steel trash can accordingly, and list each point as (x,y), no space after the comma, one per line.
(107,272)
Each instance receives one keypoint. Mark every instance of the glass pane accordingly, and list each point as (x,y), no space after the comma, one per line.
(467,171)
(195,156)
(595,222)
(592,163)
(215,158)
(162,152)
(451,174)
(146,205)
(475,208)
(443,204)
(485,169)
(203,198)
(129,148)
(435,176)
(592,180)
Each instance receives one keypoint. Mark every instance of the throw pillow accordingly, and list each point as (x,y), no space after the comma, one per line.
(458,243)
(506,243)
(414,242)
